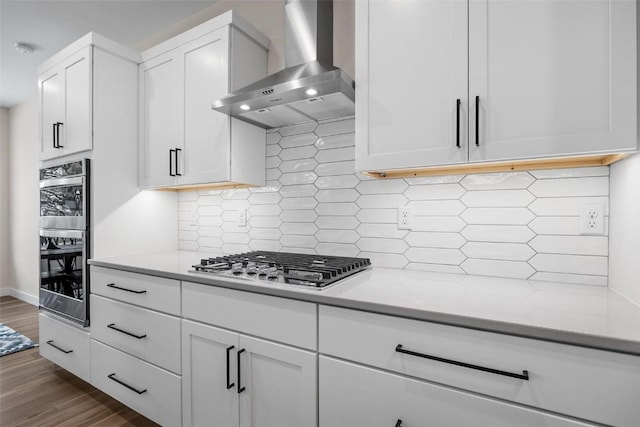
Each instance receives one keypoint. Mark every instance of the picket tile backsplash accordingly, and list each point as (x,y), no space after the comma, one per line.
(519,224)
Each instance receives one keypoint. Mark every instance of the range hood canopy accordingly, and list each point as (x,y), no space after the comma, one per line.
(310,88)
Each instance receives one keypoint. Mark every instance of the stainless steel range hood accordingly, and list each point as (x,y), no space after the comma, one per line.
(310,87)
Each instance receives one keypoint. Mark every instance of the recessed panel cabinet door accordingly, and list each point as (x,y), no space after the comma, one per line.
(552,77)
(76,132)
(206,132)
(279,385)
(411,70)
(207,400)
(160,109)
(51,110)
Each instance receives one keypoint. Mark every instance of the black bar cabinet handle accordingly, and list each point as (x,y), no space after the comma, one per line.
(177,173)
(240,388)
(58,124)
(113,326)
(52,344)
(114,286)
(55,125)
(477,121)
(399,423)
(171,151)
(229,385)
(458,102)
(122,383)
(523,376)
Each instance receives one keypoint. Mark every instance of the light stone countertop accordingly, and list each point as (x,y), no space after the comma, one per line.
(573,314)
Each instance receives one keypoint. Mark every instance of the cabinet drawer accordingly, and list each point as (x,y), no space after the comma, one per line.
(348,394)
(156,293)
(279,319)
(152,391)
(65,345)
(147,334)
(586,383)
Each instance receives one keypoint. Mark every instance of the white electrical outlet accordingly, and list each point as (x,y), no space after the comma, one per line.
(405,218)
(592,220)
(242,217)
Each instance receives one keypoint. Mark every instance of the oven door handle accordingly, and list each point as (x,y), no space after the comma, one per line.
(59,182)
(65,234)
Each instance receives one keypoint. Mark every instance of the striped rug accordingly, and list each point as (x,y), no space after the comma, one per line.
(12,341)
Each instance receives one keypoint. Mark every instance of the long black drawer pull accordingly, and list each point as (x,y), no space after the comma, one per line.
(399,423)
(171,151)
(122,383)
(523,376)
(477,121)
(458,102)
(113,285)
(113,326)
(240,388)
(52,344)
(229,385)
(54,136)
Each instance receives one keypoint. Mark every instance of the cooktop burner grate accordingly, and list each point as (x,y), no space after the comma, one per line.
(283,267)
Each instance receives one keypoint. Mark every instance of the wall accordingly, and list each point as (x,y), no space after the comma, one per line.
(268,17)
(624,276)
(4,195)
(522,224)
(23,200)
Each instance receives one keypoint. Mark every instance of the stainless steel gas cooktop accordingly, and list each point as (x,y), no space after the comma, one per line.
(313,271)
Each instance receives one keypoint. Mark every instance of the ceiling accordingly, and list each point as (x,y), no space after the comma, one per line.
(50,25)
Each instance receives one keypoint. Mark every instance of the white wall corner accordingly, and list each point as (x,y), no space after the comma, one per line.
(624,228)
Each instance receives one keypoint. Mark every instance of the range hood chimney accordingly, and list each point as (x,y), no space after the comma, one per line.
(310,88)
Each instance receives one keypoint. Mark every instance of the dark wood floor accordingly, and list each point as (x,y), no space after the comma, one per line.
(35,392)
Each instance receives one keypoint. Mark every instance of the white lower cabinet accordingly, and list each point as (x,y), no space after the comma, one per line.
(352,395)
(65,345)
(152,391)
(230,379)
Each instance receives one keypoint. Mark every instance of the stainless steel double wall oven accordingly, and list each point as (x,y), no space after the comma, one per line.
(64,240)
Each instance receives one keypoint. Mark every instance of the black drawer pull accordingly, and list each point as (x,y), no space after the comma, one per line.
(240,388)
(177,151)
(52,344)
(113,285)
(58,124)
(523,376)
(477,121)
(229,384)
(399,423)
(122,383)
(113,326)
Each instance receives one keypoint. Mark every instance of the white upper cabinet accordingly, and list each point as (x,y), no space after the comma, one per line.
(65,106)
(182,140)
(551,79)
(411,69)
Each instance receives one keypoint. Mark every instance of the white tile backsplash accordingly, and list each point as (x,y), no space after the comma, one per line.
(519,224)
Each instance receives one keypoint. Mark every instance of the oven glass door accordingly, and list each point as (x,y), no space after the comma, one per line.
(63,203)
(63,273)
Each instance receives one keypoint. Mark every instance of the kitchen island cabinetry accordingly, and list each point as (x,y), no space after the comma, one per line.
(182,140)
(233,379)
(493,81)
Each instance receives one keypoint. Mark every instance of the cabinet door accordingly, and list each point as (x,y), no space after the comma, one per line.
(352,395)
(51,85)
(411,69)
(66,99)
(553,77)
(160,118)
(206,132)
(76,132)
(279,385)
(207,400)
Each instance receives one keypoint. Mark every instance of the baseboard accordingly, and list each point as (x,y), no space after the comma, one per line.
(22,296)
